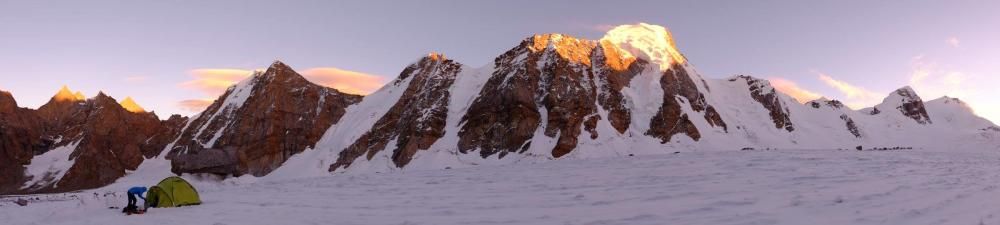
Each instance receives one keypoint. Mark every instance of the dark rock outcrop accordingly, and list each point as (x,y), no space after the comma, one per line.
(670,119)
(851,126)
(912,106)
(20,137)
(763,93)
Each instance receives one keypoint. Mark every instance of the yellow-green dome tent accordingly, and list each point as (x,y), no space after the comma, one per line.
(172,192)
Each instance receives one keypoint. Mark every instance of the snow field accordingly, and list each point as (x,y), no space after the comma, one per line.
(739,187)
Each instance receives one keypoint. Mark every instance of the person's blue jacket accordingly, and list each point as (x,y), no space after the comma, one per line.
(137,191)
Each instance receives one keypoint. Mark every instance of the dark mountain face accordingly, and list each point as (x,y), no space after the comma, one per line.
(548,74)
(108,140)
(414,122)
(258,124)
(568,80)
(20,137)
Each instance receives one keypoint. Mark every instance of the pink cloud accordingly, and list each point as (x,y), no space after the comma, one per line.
(215,81)
(953,42)
(857,97)
(792,89)
(194,105)
(344,80)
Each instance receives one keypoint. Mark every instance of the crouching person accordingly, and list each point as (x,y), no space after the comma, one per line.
(133,193)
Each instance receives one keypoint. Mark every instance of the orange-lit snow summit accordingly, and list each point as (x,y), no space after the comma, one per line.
(649,42)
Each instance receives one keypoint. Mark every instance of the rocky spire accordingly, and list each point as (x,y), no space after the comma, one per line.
(66,95)
(129,104)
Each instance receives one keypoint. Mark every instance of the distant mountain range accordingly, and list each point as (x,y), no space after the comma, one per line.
(552,96)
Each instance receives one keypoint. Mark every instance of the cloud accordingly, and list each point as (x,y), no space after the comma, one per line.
(932,80)
(857,97)
(953,42)
(792,89)
(928,77)
(344,80)
(214,82)
(194,105)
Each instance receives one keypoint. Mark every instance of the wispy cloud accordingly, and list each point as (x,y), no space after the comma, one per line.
(194,105)
(793,89)
(928,77)
(344,80)
(214,82)
(953,42)
(857,97)
(932,80)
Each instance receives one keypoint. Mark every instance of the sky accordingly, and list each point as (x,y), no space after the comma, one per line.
(175,56)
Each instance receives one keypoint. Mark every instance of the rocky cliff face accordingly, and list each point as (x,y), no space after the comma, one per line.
(109,140)
(670,120)
(20,137)
(416,120)
(546,74)
(559,83)
(258,124)
(618,71)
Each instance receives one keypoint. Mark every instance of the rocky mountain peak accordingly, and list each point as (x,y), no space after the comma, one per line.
(435,56)
(949,102)
(907,102)
(7,102)
(66,95)
(427,65)
(416,120)
(279,71)
(101,96)
(258,123)
(573,49)
(129,104)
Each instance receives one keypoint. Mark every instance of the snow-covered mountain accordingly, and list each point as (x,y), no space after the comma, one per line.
(552,96)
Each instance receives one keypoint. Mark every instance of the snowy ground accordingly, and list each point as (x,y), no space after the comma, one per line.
(746,187)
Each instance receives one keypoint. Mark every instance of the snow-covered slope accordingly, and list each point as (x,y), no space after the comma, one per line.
(734,187)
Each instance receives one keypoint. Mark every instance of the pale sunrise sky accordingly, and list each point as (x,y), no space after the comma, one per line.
(172,56)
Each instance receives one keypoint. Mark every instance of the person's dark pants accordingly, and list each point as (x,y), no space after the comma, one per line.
(131,200)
